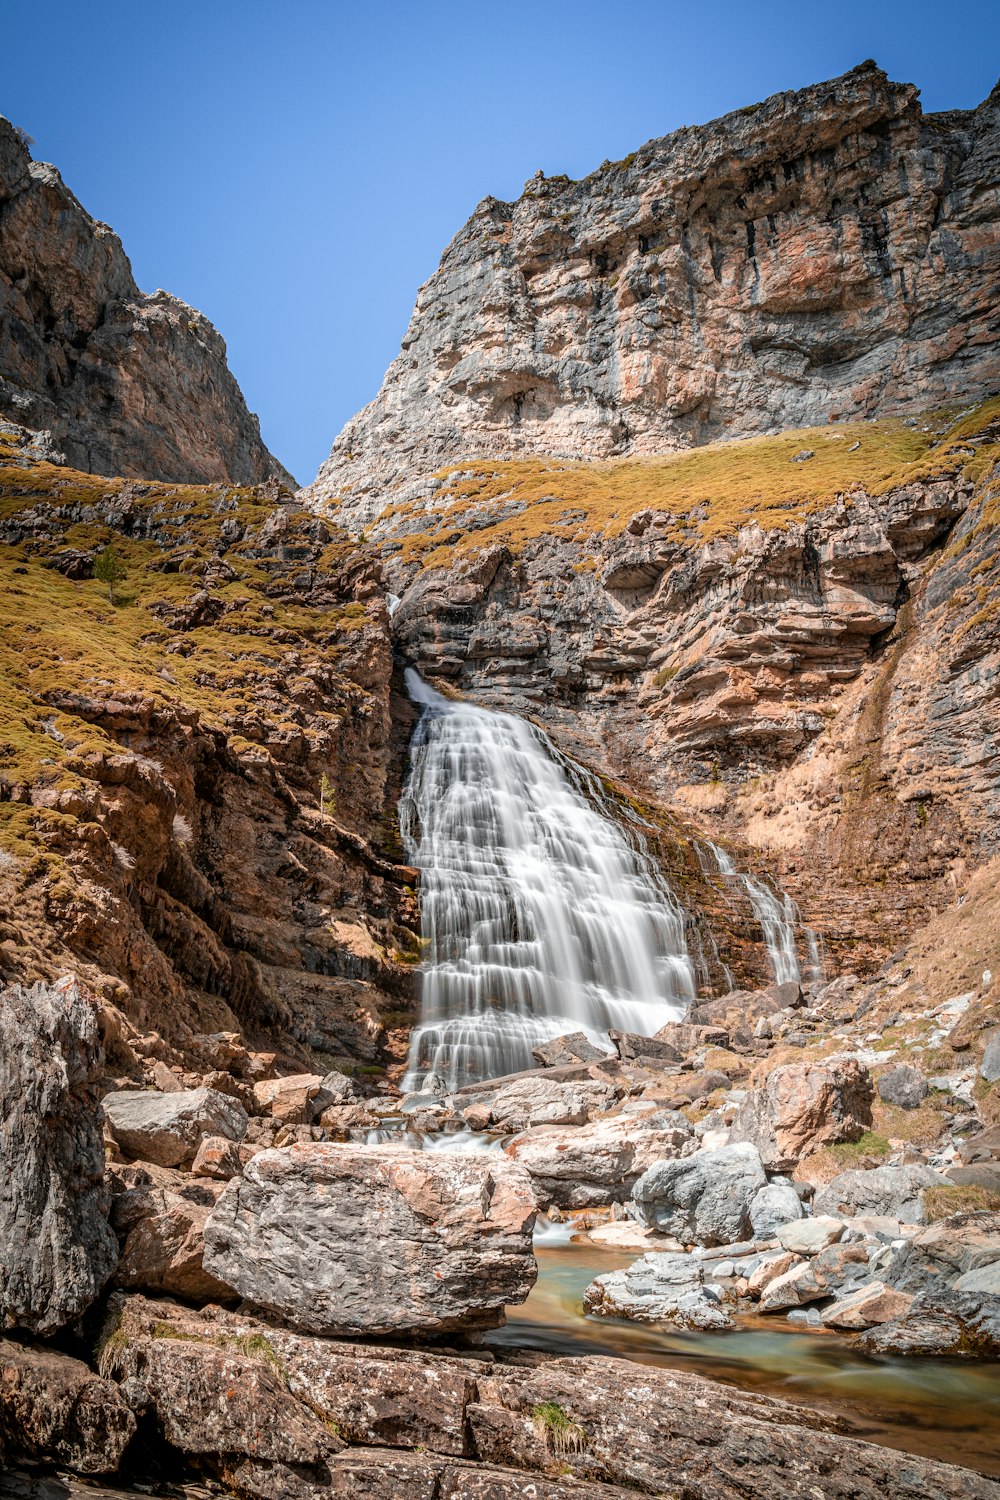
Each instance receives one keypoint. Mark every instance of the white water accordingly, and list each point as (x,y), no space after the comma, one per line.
(778,917)
(538,914)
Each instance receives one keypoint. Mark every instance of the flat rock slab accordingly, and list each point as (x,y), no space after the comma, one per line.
(167,1129)
(364,1240)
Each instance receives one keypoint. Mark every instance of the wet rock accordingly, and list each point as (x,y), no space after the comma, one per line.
(54,1410)
(354,1239)
(802,1107)
(574,1047)
(810,1236)
(168,1128)
(870,1305)
(903,1086)
(597,1163)
(659,1288)
(537,1100)
(162,1230)
(703,1199)
(774,1205)
(897,1192)
(58,1249)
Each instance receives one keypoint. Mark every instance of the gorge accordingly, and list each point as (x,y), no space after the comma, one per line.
(501,947)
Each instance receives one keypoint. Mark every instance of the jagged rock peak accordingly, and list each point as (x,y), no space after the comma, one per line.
(124,383)
(830,253)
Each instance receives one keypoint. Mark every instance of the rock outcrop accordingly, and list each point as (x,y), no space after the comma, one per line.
(58,1249)
(359,1240)
(826,254)
(121,382)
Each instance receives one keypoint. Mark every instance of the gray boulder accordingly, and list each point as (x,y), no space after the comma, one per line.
(574,1047)
(364,1240)
(941,1321)
(703,1199)
(538,1100)
(775,1204)
(57,1249)
(989,1068)
(658,1288)
(962,1252)
(586,1166)
(897,1192)
(167,1129)
(903,1086)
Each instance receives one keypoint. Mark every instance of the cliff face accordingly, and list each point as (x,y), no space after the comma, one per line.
(198,782)
(829,254)
(123,382)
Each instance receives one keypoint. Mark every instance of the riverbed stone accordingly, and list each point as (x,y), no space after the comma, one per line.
(702,1199)
(866,1307)
(57,1249)
(896,1191)
(810,1236)
(367,1240)
(658,1288)
(167,1129)
(294,1099)
(598,1163)
(962,1252)
(941,1321)
(803,1107)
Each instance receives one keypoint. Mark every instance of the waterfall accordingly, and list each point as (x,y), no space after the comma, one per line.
(778,917)
(539,916)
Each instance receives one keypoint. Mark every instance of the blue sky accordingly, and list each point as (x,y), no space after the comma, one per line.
(295,169)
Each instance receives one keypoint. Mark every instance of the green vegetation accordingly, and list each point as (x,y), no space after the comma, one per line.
(852,1152)
(110,568)
(559,1431)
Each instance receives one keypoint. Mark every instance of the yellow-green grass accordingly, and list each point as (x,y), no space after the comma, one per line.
(709,492)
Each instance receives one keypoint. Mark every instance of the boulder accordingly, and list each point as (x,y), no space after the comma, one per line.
(903,1086)
(802,1107)
(989,1068)
(599,1163)
(295,1100)
(537,1100)
(574,1047)
(162,1232)
(941,1321)
(218,1158)
(684,1037)
(773,1205)
(835,1269)
(962,1252)
(897,1192)
(702,1199)
(632,1047)
(57,1248)
(55,1410)
(363,1240)
(983,1146)
(167,1129)
(810,1236)
(658,1288)
(773,1264)
(871,1304)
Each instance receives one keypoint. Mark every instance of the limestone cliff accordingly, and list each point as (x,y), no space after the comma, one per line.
(828,254)
(197,780)
(123,382)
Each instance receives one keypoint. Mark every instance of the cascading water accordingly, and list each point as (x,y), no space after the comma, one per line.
(538,915)
(778,918)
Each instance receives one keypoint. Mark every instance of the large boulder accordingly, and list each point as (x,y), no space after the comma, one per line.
(539,1100)
(776,1204)
(903,1086)
(167,1129)
(363,1240)
(57,1249)
(941,1321)
(802,1107)
(658,1288)
(961,1252)
(55,1410)
(896,1192)
(573,1047)
(599,1163)
(703,1199)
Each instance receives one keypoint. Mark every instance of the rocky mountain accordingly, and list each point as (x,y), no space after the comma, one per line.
(124,383)
(829,254)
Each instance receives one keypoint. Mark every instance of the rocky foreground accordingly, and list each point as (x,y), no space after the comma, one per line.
(249,1294)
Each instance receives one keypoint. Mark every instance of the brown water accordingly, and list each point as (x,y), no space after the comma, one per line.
(945,1409)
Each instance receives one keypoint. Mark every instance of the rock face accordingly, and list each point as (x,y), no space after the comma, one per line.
(827,253)
(122,382)
(54,1409)
(803,1107)
(702,1199)
(358,1240)
(58,1249)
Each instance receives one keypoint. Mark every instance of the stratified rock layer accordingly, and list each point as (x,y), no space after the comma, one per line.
(123,382)
(828,253)
(57,1247)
